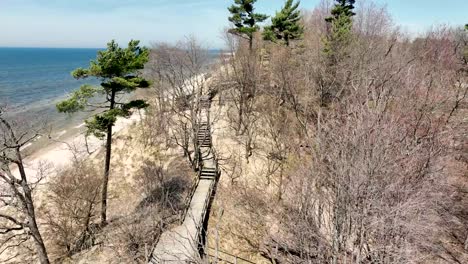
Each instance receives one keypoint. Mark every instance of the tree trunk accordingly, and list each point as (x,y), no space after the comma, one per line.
(32,223)
(107,165)
(241,112)
(280,185)
(248,148)
(27,201)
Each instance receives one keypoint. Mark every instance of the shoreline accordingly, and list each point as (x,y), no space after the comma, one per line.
(71,131)
(57,153)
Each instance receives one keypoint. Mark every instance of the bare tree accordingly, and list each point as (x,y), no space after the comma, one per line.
(18,219)
(243,73)
(180,70)
(375,179)
(377,173)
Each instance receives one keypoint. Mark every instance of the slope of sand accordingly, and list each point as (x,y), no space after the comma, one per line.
(56,154)
(59,153)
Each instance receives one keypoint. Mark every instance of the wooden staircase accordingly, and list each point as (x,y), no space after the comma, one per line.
(185,243)
(204,136)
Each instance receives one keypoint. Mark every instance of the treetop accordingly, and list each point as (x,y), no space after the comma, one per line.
(115,61)
(244,18)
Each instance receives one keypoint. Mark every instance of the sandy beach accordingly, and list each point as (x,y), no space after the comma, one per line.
(58,151)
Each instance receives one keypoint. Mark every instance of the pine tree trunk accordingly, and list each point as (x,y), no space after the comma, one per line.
(107,165)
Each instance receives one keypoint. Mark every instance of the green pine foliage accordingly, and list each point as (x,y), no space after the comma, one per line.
(342,8)
(340,29)
(285,25)
(245,19)
(117,68)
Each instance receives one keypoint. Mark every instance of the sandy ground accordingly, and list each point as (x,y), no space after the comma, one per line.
(58,152)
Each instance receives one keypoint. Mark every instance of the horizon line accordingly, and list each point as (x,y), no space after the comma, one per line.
(32,47)
(52,47)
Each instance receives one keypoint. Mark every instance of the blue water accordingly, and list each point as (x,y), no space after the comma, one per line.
(30,77)
(33,80)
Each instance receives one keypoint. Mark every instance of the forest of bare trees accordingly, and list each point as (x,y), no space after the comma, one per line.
(363,134)
(341,139)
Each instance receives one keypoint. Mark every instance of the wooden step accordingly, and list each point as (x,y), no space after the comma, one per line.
(213,173)
(208,170)
(208,173)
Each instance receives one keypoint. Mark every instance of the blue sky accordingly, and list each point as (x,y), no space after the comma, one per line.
(92,23)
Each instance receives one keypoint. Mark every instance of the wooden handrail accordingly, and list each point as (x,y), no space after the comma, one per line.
(189,197)
(198,166)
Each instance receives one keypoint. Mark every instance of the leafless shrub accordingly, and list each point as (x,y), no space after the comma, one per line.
(72,201)
(134,236)
(161,188)
(164,191)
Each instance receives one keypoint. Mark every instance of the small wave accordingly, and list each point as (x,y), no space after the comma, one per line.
(61,133)
(80,125)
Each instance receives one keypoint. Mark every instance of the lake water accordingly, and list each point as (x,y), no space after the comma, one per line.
(29,76)
(33,80)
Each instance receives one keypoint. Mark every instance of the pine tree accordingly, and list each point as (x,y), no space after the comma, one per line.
(245,19)
(342,8)
(117,68)
(285,26)
(340,26)
(336,48)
